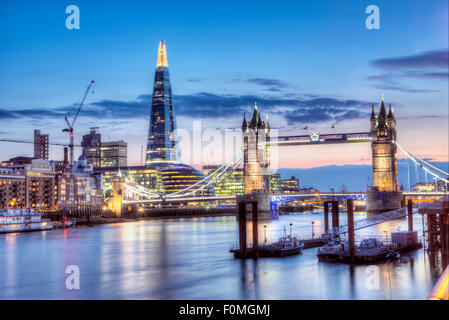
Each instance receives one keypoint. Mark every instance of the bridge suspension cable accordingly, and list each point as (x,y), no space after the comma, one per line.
(434,171)
(224,170)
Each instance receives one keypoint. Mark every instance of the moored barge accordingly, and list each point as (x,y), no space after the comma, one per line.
(23,220)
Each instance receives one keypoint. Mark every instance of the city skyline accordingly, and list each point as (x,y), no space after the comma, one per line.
(216,84)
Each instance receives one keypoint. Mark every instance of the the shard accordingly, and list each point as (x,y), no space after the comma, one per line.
(161,146)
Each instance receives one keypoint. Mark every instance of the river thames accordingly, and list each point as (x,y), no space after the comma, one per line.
(188,258)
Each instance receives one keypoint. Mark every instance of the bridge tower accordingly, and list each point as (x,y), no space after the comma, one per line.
(116,200)
(253,150)
(384,195)
(256,160)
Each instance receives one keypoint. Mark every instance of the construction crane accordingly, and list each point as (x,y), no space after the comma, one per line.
(70,125)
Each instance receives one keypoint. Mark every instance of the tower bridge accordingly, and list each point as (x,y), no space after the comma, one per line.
(384,195)
(162,151)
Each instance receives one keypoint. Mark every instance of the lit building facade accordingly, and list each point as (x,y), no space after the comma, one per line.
(147,177)
(28,185)
(178,177)
(289,185)
(161,144)
(12,189)
(41,145)
(104,154)
(439,186)
(114,154)
(78,188)
(91,145)
(232,185)
(275,183)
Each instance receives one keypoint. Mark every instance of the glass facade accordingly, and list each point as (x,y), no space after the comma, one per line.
(161,146)
(231,185)
(179,177)
(289,185)
(114,154)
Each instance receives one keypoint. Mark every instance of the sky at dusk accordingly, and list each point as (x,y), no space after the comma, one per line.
(306,63)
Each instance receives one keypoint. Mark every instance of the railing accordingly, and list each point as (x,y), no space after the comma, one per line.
(360,224)
(441,289)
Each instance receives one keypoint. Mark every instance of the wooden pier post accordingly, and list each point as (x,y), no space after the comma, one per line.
(335,217)
(351,236)
(255,229)
(445,230)
(242,229)
(410,215)
(326,216)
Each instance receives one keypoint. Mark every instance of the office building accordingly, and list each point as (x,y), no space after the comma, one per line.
(41,145)
(289,185)
(161,145)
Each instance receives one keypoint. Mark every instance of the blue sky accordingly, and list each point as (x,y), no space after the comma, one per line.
(306,62)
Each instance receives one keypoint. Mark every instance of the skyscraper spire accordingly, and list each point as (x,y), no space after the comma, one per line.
(162,145)
(162,55)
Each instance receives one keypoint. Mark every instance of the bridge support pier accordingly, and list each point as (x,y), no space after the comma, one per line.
(242,204)
(326,216)
(410,215)
(335,217)
(351,235)
(255,230)
(242,229)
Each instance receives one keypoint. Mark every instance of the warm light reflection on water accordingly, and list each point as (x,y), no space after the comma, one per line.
(189,259)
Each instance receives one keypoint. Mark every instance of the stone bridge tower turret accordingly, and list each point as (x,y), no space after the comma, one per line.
(256,154)
(383,130)
(385,194)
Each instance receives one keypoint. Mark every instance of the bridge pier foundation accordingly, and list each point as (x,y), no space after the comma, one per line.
(380,201)
(335,215)
(242,204)
(242,229)
(410,215)
(326,216)
(351,235)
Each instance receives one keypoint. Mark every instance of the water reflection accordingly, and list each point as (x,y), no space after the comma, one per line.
(189,259)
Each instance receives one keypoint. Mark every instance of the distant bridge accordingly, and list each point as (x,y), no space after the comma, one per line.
(276,198)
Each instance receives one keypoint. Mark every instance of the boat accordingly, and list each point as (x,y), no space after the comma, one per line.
(285,246)
(64,223)
(392,255)
(23,220)
(331,251)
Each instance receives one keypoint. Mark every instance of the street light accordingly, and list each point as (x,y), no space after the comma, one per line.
(313,222)
(386,235)
(265,232)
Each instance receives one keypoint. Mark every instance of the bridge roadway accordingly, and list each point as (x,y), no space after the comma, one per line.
(278,197)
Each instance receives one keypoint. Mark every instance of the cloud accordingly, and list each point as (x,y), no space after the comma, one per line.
(4,114)
(204,105)
(429,59)
(31,113)
(430,65)
(324,114)
(270,84)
